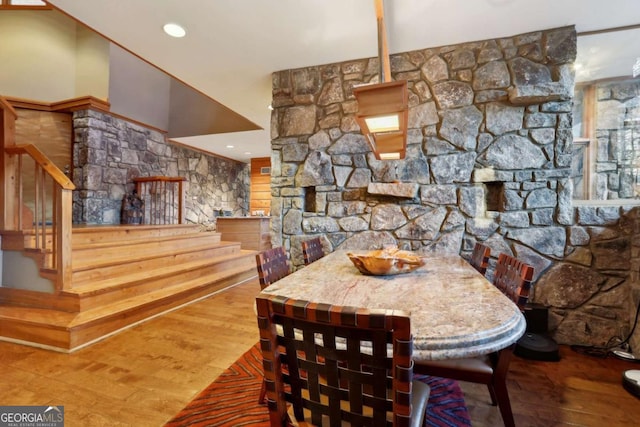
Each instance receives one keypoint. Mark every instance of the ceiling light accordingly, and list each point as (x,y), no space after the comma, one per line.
(389,156)
(229,146)
(174,30)
(383,108)
(383,123)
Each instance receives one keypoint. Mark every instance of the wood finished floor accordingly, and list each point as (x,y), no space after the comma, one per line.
(146,374)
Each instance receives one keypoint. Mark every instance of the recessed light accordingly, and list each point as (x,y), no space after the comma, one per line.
(174,30)
(229,146)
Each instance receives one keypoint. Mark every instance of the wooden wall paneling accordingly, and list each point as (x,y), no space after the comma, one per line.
(51,132)
(260,188)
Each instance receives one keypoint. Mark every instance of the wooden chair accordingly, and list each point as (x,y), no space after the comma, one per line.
(480,257)
(338,364)
(312,250)
(273,265)
(513,278)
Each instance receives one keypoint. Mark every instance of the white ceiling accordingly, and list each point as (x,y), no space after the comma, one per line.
(232,46)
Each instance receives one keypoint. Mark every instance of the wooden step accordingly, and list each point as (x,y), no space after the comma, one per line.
(112,289)
(67,332)
(87,235)
(122,275)
(13,240)
(104,254)
(105,269)
(84,235)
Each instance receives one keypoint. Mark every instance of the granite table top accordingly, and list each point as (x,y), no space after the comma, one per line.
(455,311)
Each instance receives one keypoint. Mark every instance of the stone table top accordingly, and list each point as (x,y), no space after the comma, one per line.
(455,311)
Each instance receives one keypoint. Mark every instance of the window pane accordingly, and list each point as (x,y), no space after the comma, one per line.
(27,3)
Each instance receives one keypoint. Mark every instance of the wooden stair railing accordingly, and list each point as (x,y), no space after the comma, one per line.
(47,192)
(163,198)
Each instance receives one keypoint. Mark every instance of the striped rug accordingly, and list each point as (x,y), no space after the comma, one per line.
(232,399)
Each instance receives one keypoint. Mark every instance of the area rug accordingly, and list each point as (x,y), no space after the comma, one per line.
(232,399)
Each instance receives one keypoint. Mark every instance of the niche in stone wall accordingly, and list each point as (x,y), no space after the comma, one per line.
(310,199)
(494,195)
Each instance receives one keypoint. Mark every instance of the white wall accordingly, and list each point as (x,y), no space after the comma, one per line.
(22,272)
(38,56)
(137,89)
(92,64)
(46,56)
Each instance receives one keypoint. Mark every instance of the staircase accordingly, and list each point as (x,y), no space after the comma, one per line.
(121,275)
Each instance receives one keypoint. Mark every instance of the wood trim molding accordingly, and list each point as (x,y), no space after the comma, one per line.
(84,103)
(136,122)
(65,106)
(4,6)
(589,112)
(76,104)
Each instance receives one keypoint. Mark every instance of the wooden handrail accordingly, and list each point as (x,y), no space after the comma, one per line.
(52,170)
(52,210)
(5,105)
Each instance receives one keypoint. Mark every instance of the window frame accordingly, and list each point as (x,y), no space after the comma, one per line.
(6,5)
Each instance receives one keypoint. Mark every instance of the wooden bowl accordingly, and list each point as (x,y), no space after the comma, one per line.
(386,262)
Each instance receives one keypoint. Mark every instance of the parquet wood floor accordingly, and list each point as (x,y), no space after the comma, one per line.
(146,374)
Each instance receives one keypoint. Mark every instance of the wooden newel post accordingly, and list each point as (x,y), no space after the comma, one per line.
(8,206)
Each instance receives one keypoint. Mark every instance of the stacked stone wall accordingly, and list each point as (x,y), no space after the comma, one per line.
(108,152)
(489,153)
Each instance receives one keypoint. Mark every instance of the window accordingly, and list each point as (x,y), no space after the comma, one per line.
(23,4)
(606,163)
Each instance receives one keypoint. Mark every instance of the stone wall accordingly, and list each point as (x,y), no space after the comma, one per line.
(108,152)
(489,157)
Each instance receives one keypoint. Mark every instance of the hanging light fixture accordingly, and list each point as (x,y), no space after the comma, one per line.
(383,108)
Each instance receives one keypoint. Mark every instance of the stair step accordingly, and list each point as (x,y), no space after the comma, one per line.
(105,270)
(83,235)
(154,297)
(69,331)
(101,255)
(112,289)
(121,275)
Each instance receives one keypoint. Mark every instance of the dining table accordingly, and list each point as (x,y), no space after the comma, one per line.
(455,311)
